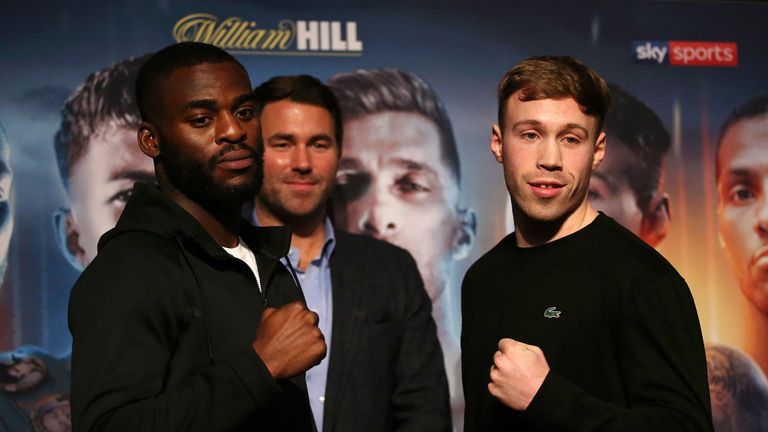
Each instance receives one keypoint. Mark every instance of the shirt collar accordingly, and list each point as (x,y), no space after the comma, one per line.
(325,252)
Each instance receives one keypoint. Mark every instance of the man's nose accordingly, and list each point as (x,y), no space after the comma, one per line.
(301,160)
(378,218)
(550,155)
(229,130)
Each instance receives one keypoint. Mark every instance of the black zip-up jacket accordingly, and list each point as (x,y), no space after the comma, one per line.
(162,323)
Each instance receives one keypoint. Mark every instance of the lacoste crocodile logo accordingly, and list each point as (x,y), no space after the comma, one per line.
(552,313)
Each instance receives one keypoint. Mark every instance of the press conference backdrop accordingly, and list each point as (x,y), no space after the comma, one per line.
(692,63)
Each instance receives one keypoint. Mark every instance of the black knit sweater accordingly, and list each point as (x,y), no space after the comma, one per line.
(625,349)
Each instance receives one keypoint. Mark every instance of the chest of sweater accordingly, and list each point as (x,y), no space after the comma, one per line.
(561,318)
(563,305)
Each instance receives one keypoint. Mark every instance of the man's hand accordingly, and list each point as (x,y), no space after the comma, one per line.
(288,340)
(517,373)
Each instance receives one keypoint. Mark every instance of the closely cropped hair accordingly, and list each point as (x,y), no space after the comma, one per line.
(551,77)
(639,129)
(755,107)
(371,91)
(304,89)
(106,97)
(164,62)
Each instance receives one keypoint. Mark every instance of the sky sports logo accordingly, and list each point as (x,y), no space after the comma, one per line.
(686,53)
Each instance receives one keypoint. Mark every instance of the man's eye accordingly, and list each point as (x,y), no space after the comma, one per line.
(121,197)
(245,113)
(530,136)
(571,140)
(279,144)
(741,194)
(408,184)
(200,122)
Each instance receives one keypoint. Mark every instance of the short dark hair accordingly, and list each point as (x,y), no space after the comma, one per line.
(755,107)
(164,62)
(639,129)
(304,89)
(555,77)
(371,91)
(105,97)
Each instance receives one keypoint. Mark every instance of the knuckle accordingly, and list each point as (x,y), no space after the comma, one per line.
(313,318)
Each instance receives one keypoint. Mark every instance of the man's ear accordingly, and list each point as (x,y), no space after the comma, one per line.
(147,138)
(464,237)
(599,151)
(496,143)
(655,223)
(68,238)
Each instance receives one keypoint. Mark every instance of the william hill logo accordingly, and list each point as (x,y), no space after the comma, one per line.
(686,53)
(288,37)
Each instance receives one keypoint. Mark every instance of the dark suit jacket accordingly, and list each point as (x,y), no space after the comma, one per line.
(386,368)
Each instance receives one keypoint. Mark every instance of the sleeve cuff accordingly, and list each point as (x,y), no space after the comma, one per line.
(255,376)
(553,403)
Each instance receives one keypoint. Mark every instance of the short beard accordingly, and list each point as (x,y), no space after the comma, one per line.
(195,179)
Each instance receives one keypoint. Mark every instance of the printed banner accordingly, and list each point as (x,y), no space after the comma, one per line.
(685,165)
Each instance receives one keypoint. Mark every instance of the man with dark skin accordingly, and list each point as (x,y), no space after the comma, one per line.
(163,319)
(738,385)
(628,185)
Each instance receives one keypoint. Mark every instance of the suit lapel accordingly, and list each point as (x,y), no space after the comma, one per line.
(347,278)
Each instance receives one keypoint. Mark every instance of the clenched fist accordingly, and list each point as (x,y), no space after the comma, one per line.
(517,373)
(288,340)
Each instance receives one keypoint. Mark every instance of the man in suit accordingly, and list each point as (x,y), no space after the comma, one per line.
(384,370)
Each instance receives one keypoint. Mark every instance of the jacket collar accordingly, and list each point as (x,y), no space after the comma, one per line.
(150,211)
